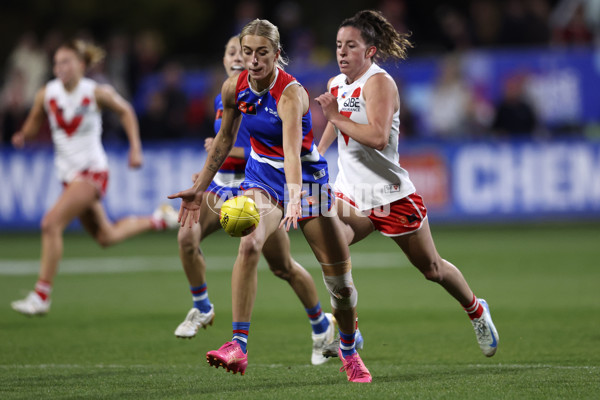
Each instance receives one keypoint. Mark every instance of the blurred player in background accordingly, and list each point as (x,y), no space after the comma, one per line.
(73,105)
(226,184)
(374,192)
(274,108)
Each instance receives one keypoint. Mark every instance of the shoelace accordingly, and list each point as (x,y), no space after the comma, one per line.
(228,347)
(354,365)
(481,329)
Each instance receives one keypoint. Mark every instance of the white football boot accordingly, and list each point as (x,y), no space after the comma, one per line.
(322,340)
(487,335)
(31,305)
(331,350)
(193,321)
(166,213)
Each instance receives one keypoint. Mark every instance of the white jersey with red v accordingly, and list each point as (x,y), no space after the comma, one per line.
(76,124)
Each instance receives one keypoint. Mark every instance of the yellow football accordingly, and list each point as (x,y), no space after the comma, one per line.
(239,216)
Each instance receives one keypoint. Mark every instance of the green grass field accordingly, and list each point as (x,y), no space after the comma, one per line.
(110,332)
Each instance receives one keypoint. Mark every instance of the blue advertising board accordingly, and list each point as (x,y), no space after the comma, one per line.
(460,182)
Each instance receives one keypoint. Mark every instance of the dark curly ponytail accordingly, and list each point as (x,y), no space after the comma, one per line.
(377,31)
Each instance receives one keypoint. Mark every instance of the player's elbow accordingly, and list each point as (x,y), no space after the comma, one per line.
(126,111)
(380,143)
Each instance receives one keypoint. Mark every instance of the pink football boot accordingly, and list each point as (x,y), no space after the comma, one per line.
(229,356)
(355,368)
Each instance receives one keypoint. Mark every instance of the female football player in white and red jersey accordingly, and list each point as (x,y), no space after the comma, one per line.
(373,191)
(284,162)
(73,105)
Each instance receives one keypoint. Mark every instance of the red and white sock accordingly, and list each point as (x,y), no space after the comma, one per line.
(43,289)
(474,309)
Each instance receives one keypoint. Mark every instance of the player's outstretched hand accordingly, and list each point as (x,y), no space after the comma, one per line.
(18,140)
(190,206)
(294,211)
(136,159)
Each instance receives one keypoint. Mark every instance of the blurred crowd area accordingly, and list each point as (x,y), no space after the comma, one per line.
(166,58)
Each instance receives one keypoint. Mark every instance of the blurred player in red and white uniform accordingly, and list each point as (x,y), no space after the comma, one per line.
(73,105)
(374,192)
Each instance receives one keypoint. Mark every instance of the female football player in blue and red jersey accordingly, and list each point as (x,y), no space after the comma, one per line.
(284,172)
(225,184)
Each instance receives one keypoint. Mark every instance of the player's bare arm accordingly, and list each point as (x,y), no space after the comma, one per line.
(381,96)
(328,135)
(107,97)
(326,139)
(292,105)
(222,144)
(237,152)
(34,121)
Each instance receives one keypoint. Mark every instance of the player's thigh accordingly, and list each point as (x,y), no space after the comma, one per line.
(209,214)
(276,250)
(356,226)
(270,216)
(326,238)
(72,203)
(419,247)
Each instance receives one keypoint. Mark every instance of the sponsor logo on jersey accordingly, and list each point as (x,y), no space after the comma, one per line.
(412,218)
(351,104)
(247,108)
(392,188)
(319,174)
(271,111)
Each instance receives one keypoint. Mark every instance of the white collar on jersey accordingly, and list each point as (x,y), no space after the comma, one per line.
(373,65)
(267,89)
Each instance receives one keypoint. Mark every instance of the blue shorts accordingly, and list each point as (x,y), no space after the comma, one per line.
(224,192)
(317,201)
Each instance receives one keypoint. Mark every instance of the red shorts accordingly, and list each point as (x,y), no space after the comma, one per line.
(99,179)
(398,218)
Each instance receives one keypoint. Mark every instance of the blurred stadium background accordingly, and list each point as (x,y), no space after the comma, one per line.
(500,100)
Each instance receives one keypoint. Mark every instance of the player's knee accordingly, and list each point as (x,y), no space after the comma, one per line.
(250,246)
(282,271)
(342,292)
(187,244)
(103,239)
(50,226)
(46,225)
(281,274)
(433,271)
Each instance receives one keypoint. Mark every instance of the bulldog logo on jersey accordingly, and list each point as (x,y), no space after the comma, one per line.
(247,108)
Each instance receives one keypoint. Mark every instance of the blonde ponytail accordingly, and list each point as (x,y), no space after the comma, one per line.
(89,53)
